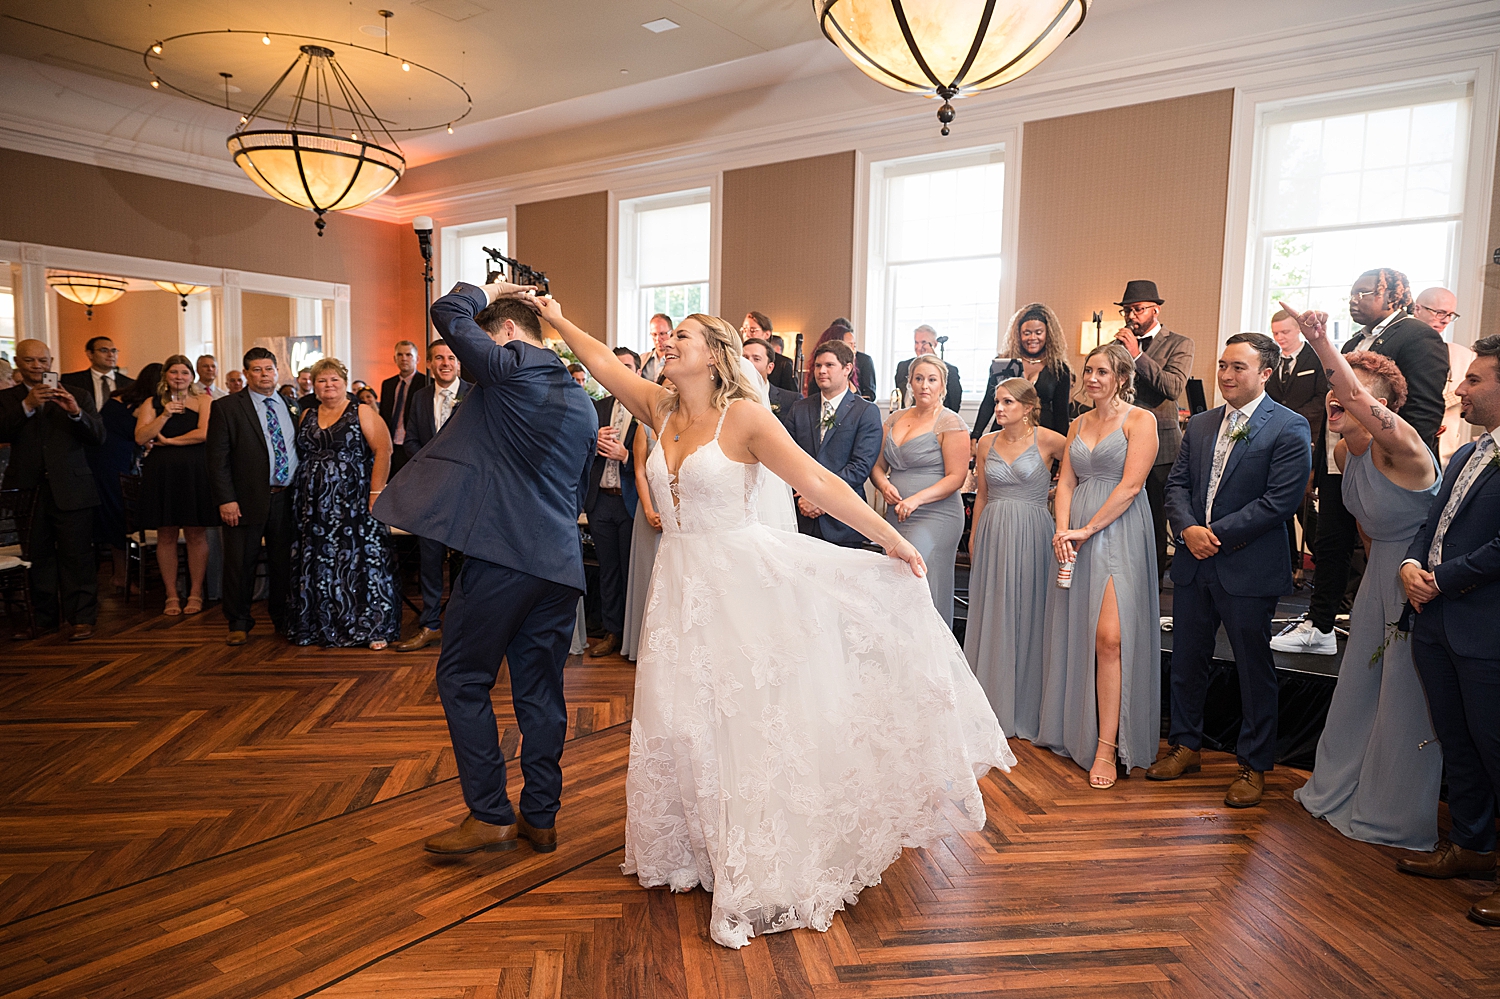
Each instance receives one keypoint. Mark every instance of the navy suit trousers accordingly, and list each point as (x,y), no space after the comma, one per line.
(1463,696)
(1197,610)
(495,611)
(611,526)
(433,555)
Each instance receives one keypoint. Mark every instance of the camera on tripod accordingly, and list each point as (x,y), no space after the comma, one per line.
(518,273)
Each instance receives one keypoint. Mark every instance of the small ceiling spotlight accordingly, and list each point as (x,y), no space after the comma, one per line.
(156,48)
(405,66)
(155,84)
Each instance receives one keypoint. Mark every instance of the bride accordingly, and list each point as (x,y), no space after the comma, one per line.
(801,711)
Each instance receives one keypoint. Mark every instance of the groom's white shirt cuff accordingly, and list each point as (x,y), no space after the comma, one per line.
(1412,561)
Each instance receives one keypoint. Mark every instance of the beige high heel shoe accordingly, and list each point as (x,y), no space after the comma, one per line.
(1104,783)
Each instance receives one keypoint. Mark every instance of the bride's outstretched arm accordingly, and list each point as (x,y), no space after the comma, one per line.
(639,395)
(767,440)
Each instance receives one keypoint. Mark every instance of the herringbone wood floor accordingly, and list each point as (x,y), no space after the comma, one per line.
(178,818)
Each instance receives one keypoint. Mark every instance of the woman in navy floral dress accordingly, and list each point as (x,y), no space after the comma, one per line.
(344,585)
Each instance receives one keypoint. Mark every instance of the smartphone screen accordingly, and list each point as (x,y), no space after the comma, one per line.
(50,379)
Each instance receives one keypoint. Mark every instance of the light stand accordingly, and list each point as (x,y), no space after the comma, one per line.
(942,343)
(423,227)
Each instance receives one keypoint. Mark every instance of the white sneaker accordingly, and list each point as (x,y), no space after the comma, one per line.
(1305,639)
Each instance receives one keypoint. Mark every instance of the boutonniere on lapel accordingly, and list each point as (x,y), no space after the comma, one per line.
(1494,461)
(827,422)
(1239,433)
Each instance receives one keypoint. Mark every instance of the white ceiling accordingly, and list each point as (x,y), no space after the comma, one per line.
(511,55)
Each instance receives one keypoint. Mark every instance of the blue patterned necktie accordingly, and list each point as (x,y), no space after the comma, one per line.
(1472,469)
(281,469)
(1222,448)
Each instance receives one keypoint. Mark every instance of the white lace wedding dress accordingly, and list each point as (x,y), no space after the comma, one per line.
(801,712)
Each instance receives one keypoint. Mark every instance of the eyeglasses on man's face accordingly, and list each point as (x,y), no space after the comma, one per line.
(1355,297)
(1441,314)
(106,350)
(1137,310)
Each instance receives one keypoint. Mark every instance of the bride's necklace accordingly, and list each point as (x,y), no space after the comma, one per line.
(678,436)
(1014,440)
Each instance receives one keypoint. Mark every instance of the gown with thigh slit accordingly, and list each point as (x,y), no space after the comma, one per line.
(784,767)
(935,528)
(1379,764)
(1125,551)
(1012,572)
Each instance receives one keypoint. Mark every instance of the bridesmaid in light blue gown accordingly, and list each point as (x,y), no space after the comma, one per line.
(1012,566)
(644,539)
(922,466)
(1378,765)
(1101,688)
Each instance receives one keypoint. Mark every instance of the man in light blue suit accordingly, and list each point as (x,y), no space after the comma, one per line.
(840,430)
(504,483)
(1236,482)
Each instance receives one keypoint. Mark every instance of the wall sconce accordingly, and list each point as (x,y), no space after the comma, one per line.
(1088,339)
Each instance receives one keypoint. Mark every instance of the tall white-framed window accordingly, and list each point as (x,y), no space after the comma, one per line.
(463,256)
(1348,184)
(935,259)
(195,326)
(664,261)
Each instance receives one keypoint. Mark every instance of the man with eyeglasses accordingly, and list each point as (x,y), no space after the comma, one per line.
(1163,364)
(1435,308)
(757,326)
(100,379)
(1381,303)
(660,329)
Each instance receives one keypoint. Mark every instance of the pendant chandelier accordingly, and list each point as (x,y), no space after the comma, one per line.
(948,48)
(88,290)
(332,153)
(181,289)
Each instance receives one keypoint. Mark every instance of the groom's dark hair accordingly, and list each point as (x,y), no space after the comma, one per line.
(1267,348)
(497,312)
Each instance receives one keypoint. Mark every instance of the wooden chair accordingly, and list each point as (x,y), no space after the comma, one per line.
(15,537)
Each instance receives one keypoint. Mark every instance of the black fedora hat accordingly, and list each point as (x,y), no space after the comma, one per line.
(1140,291)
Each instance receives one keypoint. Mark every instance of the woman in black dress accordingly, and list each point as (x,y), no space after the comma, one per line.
(174,477)
(1036,339)
(344,589)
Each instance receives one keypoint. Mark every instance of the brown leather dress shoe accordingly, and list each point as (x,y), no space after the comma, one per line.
(1486,910)
(237,638)
(605,646)
(1246,789)
(1448,861)
(423,638)
(1177,761)
(541,840)
(81,632)
(472,835)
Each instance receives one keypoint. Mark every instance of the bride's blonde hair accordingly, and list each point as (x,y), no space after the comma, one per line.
(724,347)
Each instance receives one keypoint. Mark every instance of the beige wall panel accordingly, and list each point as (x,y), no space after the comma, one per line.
(143,325)
(788,244)
(1129,192)
(75,205)
(569,239)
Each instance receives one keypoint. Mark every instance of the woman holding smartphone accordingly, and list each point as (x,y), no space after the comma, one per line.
(174,478)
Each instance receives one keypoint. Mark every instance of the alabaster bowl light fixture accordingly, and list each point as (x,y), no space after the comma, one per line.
(948,48)
(181,289)
(331,153)
(88,290)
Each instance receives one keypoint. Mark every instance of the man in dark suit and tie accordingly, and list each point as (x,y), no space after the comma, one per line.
(1300,384)
(100,379)
(839,429)
(1381,302)
(1240,474)
(49,430)
(1452,579)
(1163,365)
(431,407)
(252,457)
(396,394)
(504,484)
(924,341)
(762,359)
(610,505)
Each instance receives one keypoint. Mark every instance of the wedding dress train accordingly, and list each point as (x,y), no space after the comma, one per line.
(801,712)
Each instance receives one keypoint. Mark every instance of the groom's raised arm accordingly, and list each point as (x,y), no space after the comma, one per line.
(453,315)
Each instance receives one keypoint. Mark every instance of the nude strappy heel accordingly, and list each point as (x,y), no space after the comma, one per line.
(1104,783)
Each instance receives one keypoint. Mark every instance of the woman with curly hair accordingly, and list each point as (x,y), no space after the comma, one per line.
(1035,339)
(1378,765)
(1101,687)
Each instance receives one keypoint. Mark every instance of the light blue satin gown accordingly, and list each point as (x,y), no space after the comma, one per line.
(934,529)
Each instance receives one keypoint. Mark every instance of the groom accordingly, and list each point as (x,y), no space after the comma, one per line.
(1236,482)
(503,483)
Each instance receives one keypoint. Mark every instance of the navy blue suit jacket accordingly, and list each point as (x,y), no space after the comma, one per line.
(505,480)
(1259,490)
(605,407)
(421,421)
(850,449)
(1469,575)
